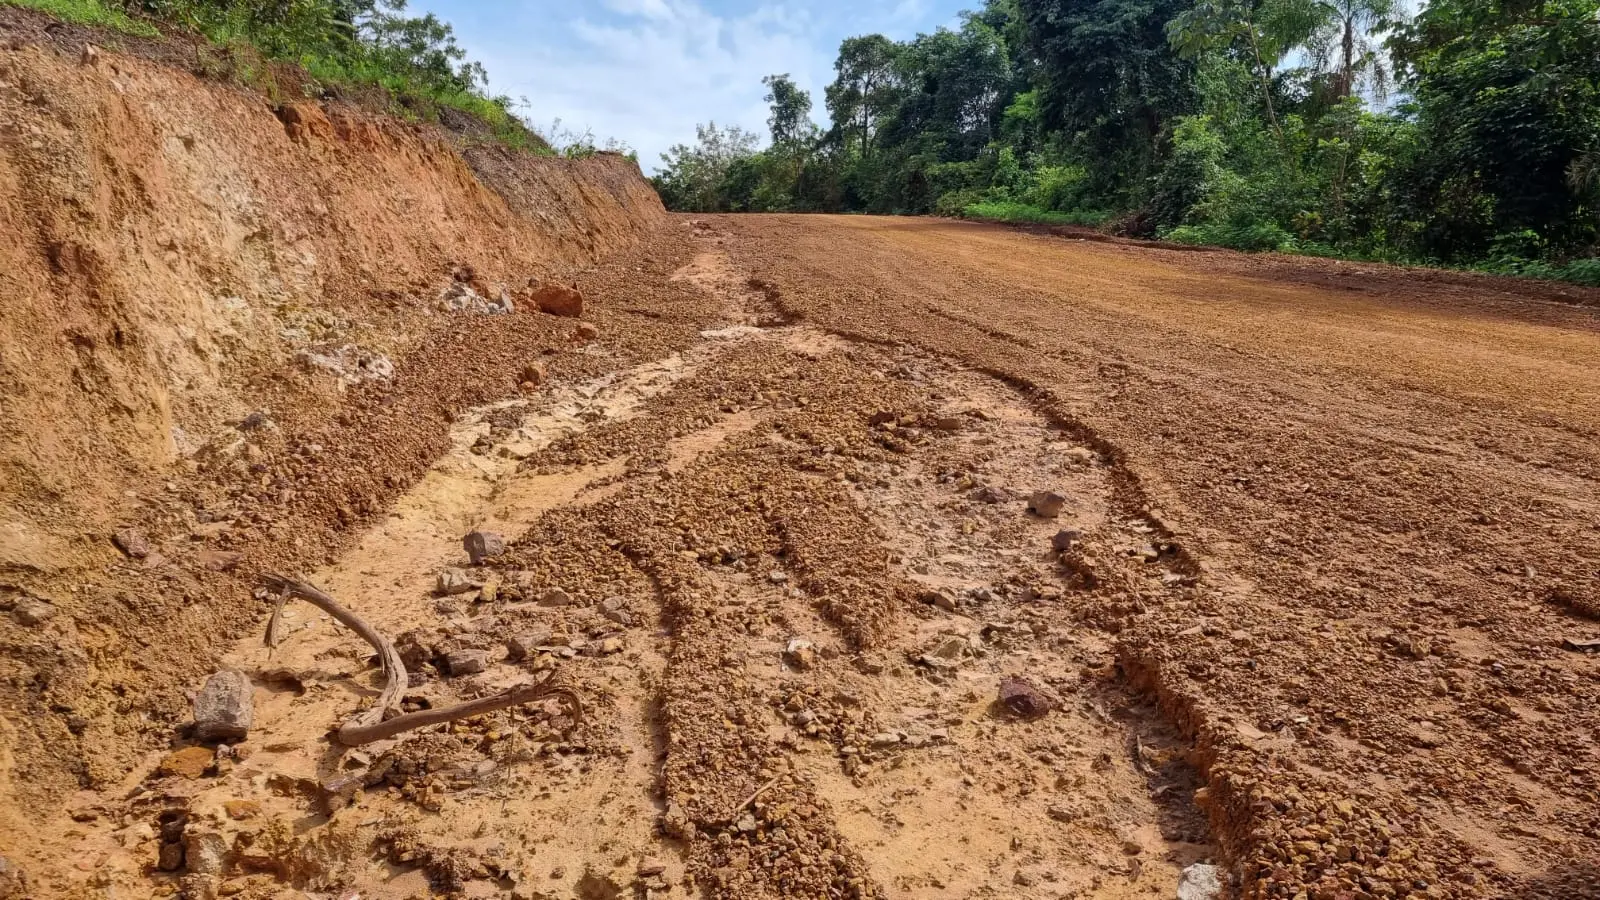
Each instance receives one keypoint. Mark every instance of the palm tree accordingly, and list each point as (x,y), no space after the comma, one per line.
(1345,44)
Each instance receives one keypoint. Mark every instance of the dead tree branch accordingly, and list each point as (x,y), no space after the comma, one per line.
(382,720)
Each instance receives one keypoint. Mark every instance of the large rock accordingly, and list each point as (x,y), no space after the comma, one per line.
(454,581)
(1200,882)
(1046,504)
(1024,699)
(467,662)
(482,545)
(558,300)
(224,710)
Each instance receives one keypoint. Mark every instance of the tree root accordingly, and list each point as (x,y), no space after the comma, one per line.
(382,720)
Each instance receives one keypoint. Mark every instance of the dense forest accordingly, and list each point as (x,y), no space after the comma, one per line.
(1467,134)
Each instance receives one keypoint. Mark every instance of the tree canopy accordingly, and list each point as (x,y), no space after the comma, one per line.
(1467,135)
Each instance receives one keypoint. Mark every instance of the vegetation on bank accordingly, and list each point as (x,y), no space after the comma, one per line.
(1467,135)
(355,48)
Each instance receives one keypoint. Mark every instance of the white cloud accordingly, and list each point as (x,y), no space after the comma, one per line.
(647,71)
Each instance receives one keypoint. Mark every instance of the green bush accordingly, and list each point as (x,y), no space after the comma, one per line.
(1253,237)
(90,12)
(1001,211)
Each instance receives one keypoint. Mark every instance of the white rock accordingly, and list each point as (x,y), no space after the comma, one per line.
(1200,882)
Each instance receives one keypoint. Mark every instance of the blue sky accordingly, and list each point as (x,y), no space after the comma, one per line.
(646,71)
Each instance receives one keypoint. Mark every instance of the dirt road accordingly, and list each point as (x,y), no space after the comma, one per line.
(1323,531)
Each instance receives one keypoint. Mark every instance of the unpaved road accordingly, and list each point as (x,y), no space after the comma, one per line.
(1333,524)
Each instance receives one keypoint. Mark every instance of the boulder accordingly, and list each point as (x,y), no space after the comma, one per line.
(482,545)
(558,300)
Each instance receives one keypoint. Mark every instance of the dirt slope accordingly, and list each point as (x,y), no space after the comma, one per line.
(204,295)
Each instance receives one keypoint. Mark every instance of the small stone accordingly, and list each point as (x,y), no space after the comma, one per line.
(800,653)
(1023,879)
(454,581)
(747,823)
(533,374)
(1061,814)
(171,857)
(482,545)
(586,332)
(1200,882)
(650,867)
(556,597)
(204,851)
(882,417)
(219,560)
(30,611)
(616,609)
(190,762)
(132,542)
(242,809)
(885,739)
(524,646)
(991,494)
(1065,539)
(1046,504)
(558,300)
(224,710)
(467,662)
(778,577)
(947,423)
(1024,699)
(1132,847)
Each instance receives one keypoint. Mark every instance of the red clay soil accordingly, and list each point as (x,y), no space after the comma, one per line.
(1388,486)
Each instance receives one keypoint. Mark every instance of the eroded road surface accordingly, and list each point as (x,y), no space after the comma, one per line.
(1312,610)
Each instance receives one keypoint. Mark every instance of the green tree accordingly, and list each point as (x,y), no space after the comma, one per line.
(1507,104)
(790,121)
(694,178)
(1110,82)
(864,88)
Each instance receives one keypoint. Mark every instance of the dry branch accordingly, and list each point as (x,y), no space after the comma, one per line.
(381,720)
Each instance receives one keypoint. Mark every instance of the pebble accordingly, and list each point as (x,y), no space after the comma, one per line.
(225,708)
(650,867)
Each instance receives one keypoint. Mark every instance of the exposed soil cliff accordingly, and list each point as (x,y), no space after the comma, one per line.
(186,271)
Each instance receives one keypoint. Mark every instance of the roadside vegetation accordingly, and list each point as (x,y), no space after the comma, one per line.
(352,47)
(1467,135)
